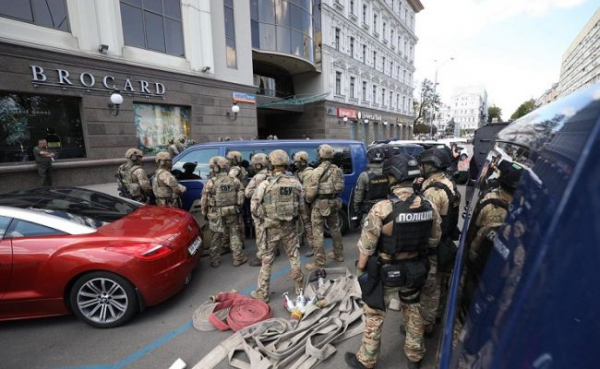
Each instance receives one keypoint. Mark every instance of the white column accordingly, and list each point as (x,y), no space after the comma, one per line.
(109,25)
(197,33)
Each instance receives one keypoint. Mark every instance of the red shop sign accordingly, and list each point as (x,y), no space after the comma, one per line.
(351,114)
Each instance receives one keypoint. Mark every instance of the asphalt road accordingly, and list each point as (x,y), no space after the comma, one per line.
(158,336)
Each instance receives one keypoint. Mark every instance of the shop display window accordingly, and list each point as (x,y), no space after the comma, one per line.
(156,125)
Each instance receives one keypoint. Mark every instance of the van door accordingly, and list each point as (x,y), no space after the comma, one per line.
(192,177)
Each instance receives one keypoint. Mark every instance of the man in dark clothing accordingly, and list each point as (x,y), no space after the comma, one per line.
(44,158)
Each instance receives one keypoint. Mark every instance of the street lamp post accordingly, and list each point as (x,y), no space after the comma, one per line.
(434,93)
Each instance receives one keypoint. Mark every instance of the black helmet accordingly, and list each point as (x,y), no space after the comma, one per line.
(376,154)
(510,174)
(437,157)
(402,167)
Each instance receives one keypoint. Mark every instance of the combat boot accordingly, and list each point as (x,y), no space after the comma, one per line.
(353,362)
(215,264)
(413,364)
(256,262)
(242,261)
(309,253)
(258,295)
(312,266)
(331,255)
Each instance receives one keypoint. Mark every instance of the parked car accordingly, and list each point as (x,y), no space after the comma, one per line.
(100,257)
(536,303)
(401,148)
(350,156)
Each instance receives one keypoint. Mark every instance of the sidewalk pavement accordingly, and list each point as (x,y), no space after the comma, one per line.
(108,188)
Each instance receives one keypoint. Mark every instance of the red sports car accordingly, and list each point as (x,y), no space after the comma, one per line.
(103,258)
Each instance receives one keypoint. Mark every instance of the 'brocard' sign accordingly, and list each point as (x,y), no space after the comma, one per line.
(85,80)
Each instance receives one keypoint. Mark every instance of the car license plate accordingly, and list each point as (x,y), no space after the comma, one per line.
(195,246)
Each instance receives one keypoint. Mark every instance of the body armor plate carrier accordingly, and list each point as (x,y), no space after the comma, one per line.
(411,228)
(377,190)
(450,220)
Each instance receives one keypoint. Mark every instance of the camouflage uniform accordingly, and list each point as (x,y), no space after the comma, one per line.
(180,145)
(414,346)
(134,177)
(304,178)
(491,213)
(362,186)
(173,150)
(237,171)
(258,222)
(164,185)
(278,200)
(221,199)
(430,297)
(323,193)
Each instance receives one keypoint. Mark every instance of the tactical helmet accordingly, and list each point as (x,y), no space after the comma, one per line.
(171,140)
(325,152)
(235,157)
(131,152)
(278,158)
(402,167)
(510,174)
(259,159)
(163,155)
(301,156)
(218,162)
(439,158)
(376,154)
(182,139)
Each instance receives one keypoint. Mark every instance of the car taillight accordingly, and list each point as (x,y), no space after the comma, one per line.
(147,252)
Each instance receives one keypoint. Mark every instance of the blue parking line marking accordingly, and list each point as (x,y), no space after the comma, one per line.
(174,333)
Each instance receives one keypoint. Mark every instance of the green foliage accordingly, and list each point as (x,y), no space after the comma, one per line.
(426,103)
(524,109)
(423,129)
(494,112)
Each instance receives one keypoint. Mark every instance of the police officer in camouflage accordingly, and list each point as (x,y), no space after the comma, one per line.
(221,200)
(164,184)
(443,194)
(393,245)
(279,200)
(372,185)
(325,185)
(236,170)
(132,179)
(259,163)
(172,148)
(303,172)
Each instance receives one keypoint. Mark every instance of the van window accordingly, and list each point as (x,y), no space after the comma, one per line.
(201,157)
(341,157)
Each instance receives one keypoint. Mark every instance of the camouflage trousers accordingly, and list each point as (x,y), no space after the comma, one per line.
(259,236)
(414,345)
(308,230)
(221,226)
(430,295)
(168,202)
(326,211)
(288,237)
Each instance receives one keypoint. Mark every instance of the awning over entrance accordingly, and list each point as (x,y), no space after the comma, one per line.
(292,101)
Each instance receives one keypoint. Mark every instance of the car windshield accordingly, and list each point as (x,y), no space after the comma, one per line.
(89,208)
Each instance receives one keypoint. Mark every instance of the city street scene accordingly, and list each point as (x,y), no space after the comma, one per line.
(295,184)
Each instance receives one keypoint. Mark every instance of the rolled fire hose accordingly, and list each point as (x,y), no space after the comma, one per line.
(230,311)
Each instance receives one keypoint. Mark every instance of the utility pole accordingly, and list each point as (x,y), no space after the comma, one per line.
(434,94)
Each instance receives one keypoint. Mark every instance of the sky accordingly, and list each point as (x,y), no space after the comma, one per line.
(513,48)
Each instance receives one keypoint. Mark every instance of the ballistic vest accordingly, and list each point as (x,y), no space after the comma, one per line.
(159,187)
(377,190)
(127,178)
(281,199)
(225,191)
(410,229)
(331,181)
(450,220)
(473,227)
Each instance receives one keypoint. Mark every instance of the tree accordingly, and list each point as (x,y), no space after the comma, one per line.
(524,109)
(427,102)
(450,128)
(421,128)
(494,112)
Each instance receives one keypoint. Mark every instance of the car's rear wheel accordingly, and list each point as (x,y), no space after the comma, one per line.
(103,299)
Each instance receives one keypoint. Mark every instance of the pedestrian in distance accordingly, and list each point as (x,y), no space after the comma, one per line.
(325,186)
(164,184)
(393,245)
(279,200)
(221,201)
(44,158)
(132,180)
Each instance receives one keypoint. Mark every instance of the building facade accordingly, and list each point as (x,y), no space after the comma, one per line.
(469,107)
(581,61)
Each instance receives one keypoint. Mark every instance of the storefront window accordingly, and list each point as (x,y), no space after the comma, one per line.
(155,125)
(48,13)
(24,119)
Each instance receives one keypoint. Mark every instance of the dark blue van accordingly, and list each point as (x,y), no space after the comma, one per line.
(537,303)
(349,155)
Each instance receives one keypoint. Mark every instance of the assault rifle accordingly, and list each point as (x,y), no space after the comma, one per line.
(123,190)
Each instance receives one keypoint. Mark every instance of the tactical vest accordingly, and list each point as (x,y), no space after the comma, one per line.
(473,227)
(331,181)
(304,175)
(411,227)
(281,199)
(129,180)
(160,189)
(450,220)
(225,191)
(377,190)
